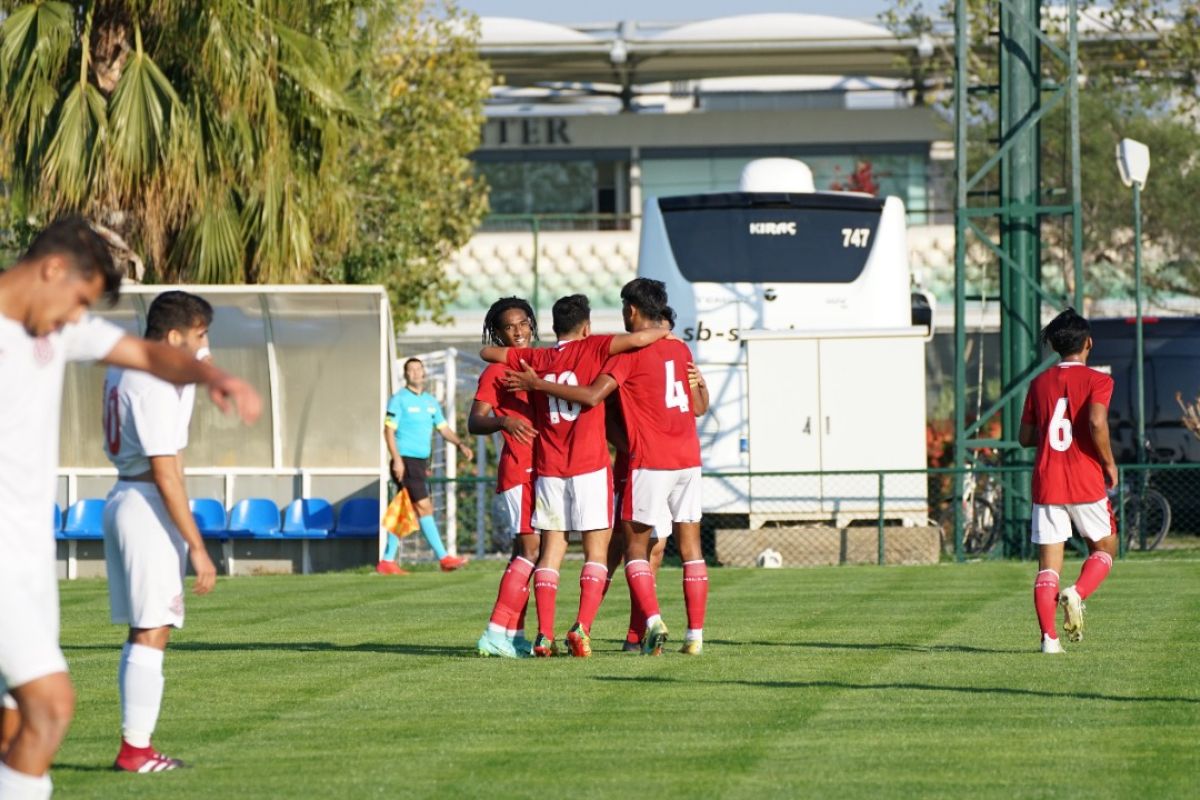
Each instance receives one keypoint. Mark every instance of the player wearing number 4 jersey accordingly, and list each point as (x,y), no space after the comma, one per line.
(664,456)
(573,489)
(1066,418)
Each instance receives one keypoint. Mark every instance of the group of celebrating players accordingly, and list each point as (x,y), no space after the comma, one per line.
(558,409)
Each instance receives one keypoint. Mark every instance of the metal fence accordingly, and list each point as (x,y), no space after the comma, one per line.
(880,517)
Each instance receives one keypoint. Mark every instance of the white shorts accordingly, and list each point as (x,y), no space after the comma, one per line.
(658,531)
(146,558)
(518,502)
(1052,524)
(28,619)
(660,497)
(579,503)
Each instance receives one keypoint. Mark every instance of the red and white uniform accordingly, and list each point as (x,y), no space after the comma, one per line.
(514,479)
(145,554)
(574,477)
(31,381)
(1068,479)
(664,448)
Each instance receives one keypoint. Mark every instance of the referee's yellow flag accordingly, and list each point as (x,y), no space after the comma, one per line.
(400,518)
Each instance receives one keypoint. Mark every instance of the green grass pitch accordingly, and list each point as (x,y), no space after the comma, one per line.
(841,682)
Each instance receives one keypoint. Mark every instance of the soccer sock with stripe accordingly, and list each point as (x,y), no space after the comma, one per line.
(641,586)
(20,786)
(1045,601)
(1092,574)
(141,684)
(514,591)
(392,547)
(429,530)
(545,590)
(591,592)
(695,597)
(637,620)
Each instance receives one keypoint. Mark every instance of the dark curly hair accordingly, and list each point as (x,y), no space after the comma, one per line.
(491,322)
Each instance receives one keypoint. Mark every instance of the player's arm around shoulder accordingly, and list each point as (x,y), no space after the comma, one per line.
(168,477)
(624,342)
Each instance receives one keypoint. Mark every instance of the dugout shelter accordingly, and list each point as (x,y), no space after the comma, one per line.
(321,357)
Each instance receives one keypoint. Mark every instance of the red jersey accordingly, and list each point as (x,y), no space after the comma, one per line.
(657,404)
(516,458)
(1067,468)
(570,438)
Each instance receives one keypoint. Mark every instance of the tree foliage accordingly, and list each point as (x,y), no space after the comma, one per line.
(249,140)
(1141,84)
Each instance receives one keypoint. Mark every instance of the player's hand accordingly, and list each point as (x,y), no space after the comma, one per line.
(519,429)
(398,471)
(695,379)
(226,389)
(1110,474)
(523,381)
(466,450)
(206,573)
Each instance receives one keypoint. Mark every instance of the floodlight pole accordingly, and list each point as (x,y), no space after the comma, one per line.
(1139,344)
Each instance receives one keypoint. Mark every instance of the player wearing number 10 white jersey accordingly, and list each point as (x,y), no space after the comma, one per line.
(148,527)
(1066,418)
(573,490)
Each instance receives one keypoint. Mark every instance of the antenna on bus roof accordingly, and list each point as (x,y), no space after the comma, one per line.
(776,175)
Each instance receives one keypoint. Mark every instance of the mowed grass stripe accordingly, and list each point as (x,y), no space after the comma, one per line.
(854,682)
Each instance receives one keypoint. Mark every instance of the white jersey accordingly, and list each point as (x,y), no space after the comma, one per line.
(144,416)
(31,380)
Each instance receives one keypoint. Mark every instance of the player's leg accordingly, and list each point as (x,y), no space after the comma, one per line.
(497,638)
(684,503)
(149,565)
(46,705)
(528,547)
(1050,529)
(590,512)
(1095,523)
(545,590)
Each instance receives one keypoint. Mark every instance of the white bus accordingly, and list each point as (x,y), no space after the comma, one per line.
(797,306)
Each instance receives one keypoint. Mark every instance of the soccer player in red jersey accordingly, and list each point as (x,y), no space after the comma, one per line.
(573,487)
(663,487)
(1066,418)
(510,322)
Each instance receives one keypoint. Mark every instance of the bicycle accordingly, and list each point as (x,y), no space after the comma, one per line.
(1145,511)
(981,516)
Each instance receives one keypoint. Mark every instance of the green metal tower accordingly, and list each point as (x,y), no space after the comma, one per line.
(1000,207)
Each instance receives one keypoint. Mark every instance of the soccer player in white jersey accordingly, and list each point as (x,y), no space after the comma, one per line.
(149,531)
(44,299)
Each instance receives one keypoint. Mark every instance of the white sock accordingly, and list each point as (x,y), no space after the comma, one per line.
(651,620)
(141,683)
(19,786)
(494,628)
(694,635)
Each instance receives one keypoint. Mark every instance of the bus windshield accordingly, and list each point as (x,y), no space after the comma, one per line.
(744,237)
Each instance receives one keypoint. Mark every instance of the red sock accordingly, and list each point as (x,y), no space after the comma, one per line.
(607,584)
(637,620)
(591,592)
(641,586)
(524,607)
(1095,570)
(695,593)
(545,590)
(1045,601)
(514,592)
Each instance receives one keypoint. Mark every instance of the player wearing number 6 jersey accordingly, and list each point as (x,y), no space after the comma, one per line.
(664,456)
(573,489)
(1066,418)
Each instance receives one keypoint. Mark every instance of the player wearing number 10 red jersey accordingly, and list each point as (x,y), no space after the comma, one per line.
(573,488)
(1066,418)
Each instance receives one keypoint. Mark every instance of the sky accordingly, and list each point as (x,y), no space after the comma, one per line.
(575,11)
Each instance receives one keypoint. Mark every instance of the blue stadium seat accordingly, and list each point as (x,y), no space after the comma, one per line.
(308,518)
(359,518)
(210,517)
(85,520)
(254,517)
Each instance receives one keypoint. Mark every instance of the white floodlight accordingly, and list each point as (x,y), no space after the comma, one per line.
(1133,160)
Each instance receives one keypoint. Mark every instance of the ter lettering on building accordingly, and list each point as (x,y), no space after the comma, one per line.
(528,132)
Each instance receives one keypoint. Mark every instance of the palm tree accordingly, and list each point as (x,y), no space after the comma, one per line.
(207,133)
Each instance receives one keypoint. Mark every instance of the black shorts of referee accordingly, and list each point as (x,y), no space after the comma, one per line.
(416,472)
